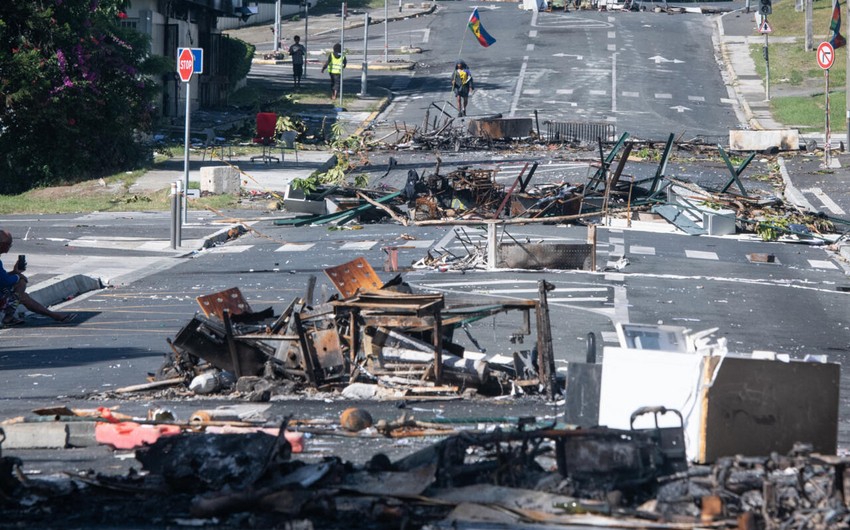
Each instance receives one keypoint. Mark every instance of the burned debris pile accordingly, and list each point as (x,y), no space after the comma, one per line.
(721,205)
(520,476)
(371,332)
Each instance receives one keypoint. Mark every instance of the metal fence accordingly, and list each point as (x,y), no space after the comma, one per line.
(566,131)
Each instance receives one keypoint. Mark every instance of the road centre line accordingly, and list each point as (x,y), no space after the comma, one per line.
(614,82)
(518,89)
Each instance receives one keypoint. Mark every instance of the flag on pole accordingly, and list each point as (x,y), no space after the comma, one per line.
(836,40)
(478,30)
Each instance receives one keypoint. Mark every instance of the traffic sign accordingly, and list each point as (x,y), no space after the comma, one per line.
(197,57)
(764,27)
(826,55)
(185,64)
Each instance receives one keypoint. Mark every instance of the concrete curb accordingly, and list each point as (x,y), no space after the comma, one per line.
(791,193)
(60,288)
(394,18)
(385,102)
(404,65)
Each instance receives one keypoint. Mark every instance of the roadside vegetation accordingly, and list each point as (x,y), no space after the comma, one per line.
(797,85)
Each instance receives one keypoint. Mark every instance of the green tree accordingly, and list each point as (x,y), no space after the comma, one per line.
(77,89)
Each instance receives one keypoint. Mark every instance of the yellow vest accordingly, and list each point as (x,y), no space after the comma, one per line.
(335,64)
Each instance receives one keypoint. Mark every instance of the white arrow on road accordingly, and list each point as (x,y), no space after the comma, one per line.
(578,57)
(680,108)
(658,60)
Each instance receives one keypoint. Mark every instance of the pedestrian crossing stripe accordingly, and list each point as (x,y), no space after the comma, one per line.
(295,247)
(700,254)
(358,245)
(822,264)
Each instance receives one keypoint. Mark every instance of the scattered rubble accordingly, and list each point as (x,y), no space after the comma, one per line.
(376,333)
(472,195)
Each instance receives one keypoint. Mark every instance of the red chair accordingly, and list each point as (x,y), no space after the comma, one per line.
(266,122)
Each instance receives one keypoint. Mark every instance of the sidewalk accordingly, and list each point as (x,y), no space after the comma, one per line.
(804,176)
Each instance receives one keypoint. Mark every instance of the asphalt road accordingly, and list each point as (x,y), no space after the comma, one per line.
(793,305)
(602,67)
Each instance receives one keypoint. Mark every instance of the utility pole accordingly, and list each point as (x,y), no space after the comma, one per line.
(810,40)
(306,18)
(276,47)
(386,23)
(342,46)
(364,69)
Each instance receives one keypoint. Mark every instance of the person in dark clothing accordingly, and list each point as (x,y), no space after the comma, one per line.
(297,52)
(334,64)
(13,287)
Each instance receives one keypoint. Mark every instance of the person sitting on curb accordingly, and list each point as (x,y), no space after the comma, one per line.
(13,287)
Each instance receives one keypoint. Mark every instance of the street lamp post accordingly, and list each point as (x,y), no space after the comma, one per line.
(386,23)
(342,46)
(306,18)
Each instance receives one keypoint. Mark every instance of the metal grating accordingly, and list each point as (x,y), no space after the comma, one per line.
(571,131)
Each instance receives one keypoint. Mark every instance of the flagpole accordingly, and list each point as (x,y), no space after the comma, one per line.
(459,52)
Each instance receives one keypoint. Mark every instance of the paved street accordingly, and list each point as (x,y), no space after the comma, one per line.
(616,68)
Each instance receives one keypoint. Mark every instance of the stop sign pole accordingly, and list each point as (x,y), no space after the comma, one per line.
(185,68)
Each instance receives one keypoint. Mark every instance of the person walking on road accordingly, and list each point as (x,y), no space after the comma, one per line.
(13,287)
(297,52)
(334,64)
(462,86)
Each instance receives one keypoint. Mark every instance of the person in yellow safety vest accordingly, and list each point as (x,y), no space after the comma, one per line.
(462,86)
(334,65)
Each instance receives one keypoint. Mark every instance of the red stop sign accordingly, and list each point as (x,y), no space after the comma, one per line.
(186,65)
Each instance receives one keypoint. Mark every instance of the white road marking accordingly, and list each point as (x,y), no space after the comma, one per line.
(612,34)
(518,90)
(531,91)
(822,264)
(728,101)
(564,91)
(646,251)
(663,96)
(631,94)
(426,35)
(613,82)
(612,47)
(701,254)
(826,201)
(234,249)
(532,33)
(358,245)
(696,98)
(616,240)
(597,92)
(295,247)
(416,243)
(529,47)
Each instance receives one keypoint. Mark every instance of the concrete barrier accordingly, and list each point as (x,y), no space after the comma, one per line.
(783,139)
(220,179)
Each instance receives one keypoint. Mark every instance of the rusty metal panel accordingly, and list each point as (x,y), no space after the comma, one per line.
(501,128)
(205,339)
(559,256)
(325,344)
(232,299)
(355,275)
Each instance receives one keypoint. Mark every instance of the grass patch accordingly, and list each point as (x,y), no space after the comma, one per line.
(106,195)
(808,112)
(793,68)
